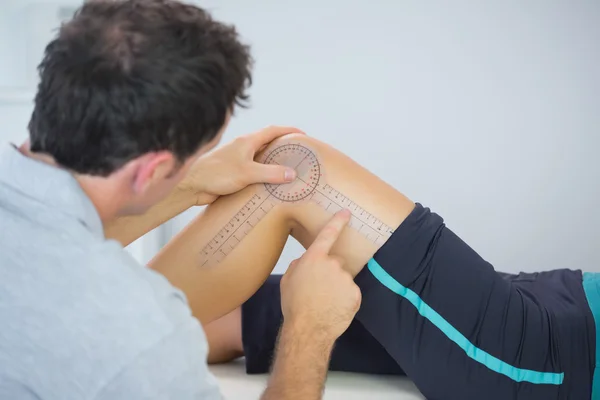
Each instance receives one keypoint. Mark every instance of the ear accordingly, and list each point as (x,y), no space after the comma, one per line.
(153,168)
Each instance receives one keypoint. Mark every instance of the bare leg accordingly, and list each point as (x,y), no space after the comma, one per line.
(247,241)
(224,337)
(426,283)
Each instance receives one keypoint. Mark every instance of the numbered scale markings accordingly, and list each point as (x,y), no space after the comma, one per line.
(306,187)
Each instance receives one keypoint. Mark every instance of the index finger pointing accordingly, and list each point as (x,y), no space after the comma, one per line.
(330,233)
(271,133)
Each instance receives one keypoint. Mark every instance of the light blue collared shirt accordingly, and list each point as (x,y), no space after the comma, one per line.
(81,319)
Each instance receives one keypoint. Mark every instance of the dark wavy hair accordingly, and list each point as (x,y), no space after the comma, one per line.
(128,77)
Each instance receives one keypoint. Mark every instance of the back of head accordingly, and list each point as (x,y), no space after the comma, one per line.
(127,77)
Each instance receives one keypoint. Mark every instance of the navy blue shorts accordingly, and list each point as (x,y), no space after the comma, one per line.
(434,310)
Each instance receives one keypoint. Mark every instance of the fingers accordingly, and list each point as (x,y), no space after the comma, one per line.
(267,135)
(330,233)
(276,174)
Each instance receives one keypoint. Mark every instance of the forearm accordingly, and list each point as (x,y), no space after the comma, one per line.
(213,291)
(301,366)
(128,229)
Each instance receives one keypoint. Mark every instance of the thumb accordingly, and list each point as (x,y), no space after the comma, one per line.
(276,174)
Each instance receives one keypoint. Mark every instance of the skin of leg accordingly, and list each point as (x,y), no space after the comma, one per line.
(224,337)
(216,291)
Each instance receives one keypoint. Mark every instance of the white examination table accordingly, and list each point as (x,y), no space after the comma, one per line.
(235,384)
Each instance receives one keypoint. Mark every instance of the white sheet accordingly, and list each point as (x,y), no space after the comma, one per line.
(235,384)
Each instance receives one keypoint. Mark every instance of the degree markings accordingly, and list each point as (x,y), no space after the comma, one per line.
(307,187)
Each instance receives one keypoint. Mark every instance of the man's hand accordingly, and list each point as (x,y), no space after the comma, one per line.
(231,167)
(223,171)
(319,300)
(317,294)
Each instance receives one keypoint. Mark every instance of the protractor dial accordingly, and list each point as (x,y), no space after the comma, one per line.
(307,167)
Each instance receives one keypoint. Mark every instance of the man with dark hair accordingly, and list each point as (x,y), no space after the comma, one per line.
(132,95)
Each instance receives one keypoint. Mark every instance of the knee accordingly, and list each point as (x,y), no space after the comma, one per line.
(308,142)
(304,154)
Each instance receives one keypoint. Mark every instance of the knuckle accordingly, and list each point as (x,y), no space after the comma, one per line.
(335,263)
(283,280)
(341,260)
(242,142)
(309,260)
(241,139)
(337,272)
(312,261)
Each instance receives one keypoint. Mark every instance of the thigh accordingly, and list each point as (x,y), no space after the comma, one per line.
(455,326)
(355,351)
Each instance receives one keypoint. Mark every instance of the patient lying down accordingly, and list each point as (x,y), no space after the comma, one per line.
(432,308)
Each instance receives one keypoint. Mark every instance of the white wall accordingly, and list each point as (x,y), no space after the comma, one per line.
(488,113)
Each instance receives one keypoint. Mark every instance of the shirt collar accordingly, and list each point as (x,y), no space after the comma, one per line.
(50,185)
